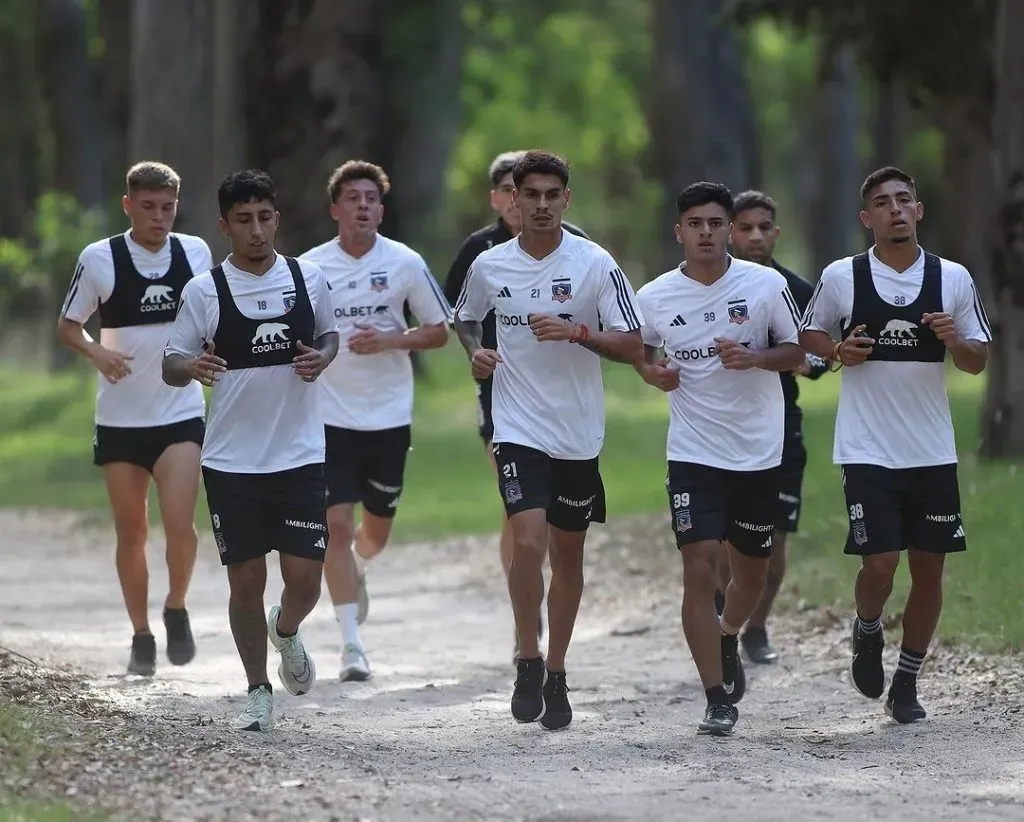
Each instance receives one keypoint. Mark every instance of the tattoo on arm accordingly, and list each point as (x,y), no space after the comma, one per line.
(174,370)
(471,335)
(327,344)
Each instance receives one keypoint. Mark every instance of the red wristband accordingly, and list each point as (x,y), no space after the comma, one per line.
(582,334)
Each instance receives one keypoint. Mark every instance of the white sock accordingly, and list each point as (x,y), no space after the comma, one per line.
(349,627)
(360,562)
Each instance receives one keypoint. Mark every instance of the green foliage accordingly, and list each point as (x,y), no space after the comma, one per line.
(32,272)
(568,80)
(942,50)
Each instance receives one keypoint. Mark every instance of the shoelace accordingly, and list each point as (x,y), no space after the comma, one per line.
(558,686)
(721,713)
(256,700)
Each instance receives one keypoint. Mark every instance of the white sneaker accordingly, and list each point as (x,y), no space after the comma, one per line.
(297,671)
(355,667)
(259,711)
(362,600)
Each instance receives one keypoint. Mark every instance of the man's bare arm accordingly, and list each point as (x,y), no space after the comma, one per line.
(818,343)
(422,338)
(327,344)
(618,346)
(783,357)
(471,335)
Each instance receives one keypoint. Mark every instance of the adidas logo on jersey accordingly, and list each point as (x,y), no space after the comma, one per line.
(505,293)
(678,321)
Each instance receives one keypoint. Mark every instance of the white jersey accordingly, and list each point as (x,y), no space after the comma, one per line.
(261,420)
(141,399)
(372,392)
(549,395)
(719,417)
(895,414)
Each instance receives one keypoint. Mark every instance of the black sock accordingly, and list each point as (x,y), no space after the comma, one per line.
(910,663)
(716,695)
(259,685)
(283,635)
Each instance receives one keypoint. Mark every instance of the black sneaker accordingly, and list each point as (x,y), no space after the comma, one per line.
(719,720)
(719,602)
(757,647)
(143,659)
(181,648)
(557,710)
(734,679)
(528,696)
(866,669)
(902,704)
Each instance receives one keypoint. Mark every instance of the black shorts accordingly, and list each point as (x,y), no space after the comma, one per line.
(366,467)
(895,508)
(571,491)
(253,514)
(485,423)
(790,481)
(143,446)
(716,504)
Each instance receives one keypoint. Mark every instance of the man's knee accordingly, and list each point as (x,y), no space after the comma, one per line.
(700,567)
(341,524)
(131,536)
(247,581)
(180,532)
(881,568)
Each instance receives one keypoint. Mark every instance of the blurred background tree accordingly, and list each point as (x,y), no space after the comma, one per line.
(801,97)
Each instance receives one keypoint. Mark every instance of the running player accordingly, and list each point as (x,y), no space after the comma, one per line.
(727,327)
(754,232)
(550,291)
(259,329)
(368,393)
(143,428)
(501,231)
(898,311)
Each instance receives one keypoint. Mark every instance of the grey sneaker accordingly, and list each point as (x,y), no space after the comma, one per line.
(297,671)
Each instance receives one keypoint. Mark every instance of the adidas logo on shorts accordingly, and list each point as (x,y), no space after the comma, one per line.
(678,321)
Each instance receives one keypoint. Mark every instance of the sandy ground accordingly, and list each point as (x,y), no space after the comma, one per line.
(431,737)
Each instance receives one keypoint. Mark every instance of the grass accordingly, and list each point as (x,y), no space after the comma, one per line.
(45,461)
(21,731)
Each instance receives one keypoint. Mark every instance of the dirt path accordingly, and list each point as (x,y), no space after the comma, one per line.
(431,736)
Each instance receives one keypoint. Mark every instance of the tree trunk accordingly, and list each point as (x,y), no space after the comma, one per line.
(172,101)
(114,71)
(313,97)
(1002,428)
(63,63)
(19,126)
(701,122)
(832,219)
(420,122)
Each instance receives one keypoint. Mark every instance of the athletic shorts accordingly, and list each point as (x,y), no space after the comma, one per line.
(143,446)
(366,467)
(895,508)
(717,504)
(254,514)
(571,491)
(791,481)
(485,423)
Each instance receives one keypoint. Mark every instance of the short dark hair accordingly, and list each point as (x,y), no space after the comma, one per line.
(540,162)
(503,164)
(357,170)
(884,175)
(245,187)
(702,193)
(752,198)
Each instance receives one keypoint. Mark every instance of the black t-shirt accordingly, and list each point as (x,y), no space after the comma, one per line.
(802,292)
